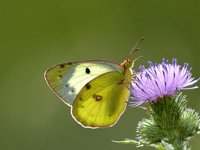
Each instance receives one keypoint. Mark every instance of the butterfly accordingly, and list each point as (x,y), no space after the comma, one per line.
(96,90)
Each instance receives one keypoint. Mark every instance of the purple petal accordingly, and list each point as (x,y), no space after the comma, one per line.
(160,80)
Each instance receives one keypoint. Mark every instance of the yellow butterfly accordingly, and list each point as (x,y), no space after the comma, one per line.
(96,90)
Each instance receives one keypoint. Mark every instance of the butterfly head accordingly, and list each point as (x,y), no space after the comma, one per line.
(128,63)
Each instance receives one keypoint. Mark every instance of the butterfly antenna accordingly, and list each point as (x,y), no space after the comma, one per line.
(140,57)
(134,49)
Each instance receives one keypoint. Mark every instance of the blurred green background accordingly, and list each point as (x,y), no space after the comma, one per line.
(35,35)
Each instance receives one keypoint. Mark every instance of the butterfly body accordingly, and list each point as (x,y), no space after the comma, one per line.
(96,90)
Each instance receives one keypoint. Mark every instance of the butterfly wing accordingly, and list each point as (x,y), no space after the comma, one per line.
(67,79)
(101,101)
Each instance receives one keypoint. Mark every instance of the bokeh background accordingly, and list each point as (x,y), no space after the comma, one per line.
(35,35)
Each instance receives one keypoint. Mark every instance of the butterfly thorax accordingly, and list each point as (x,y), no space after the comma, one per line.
(127,66)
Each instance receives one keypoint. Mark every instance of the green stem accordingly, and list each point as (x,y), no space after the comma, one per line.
(176,144)
(170,125)
(166,114)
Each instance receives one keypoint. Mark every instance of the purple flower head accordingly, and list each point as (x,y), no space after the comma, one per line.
(160,80)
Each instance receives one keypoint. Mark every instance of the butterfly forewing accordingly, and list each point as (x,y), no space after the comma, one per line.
(67,79)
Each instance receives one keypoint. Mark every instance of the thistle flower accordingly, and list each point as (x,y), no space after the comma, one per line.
(171,123)
(161,80)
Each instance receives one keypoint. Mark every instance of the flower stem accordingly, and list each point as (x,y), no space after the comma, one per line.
(166,112)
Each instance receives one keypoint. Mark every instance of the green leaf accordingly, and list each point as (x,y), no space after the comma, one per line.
(126,141)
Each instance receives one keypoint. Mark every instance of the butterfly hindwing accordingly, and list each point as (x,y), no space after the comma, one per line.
(67,79)
(101,101)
